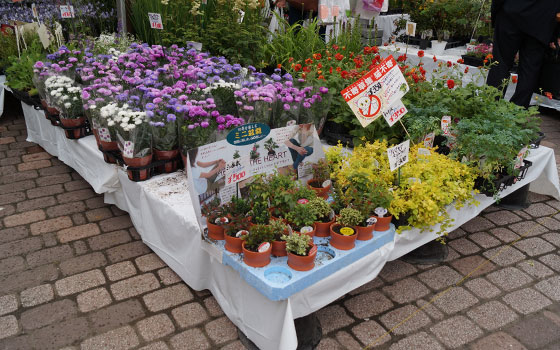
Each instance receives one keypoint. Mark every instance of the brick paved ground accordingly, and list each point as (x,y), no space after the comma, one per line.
(75,274)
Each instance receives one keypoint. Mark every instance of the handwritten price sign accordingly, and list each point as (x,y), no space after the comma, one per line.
(66,11)
(398,155)
(238,170)
(155,20)
(394,113)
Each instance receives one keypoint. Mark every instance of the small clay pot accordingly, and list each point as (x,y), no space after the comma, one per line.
(167,155)
(383,224)
(76,133)
(365,233)
(233,244)
(184,158)
(342,242)
(322,229)
(138,162)
(310,234)
(279,248)
(322,192)
(109,146)
(215,232)
(256,259)
(302,263)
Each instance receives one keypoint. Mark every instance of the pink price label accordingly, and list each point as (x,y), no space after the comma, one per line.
(303,201)
(264,247)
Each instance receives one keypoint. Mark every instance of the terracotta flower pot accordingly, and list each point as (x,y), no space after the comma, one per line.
(256,259)
(233,244)
(322,229)
(109,146)
(310,234)
(322,192)
(343,242)
(279,248)
(365,233)
(166,155)
(70,123)
(138,162)
(383,224)
(44,103)
(184,158)
(302,263)
(215,232)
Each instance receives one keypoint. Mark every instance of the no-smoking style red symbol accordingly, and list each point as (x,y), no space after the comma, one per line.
(369,105)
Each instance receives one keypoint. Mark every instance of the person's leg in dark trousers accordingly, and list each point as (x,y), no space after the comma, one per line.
(295,15)
(531,55)
(507,41)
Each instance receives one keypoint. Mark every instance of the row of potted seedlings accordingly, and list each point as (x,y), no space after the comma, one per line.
(283,223)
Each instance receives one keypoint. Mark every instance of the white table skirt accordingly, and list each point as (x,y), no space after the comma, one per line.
(162,213)
(2,93)
(452,55)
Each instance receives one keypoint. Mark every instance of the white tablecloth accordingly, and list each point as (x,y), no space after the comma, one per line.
(162,213)
(2,93)
(453,55)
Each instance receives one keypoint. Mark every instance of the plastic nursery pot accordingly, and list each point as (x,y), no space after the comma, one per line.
(302,263)
(215,232)
(311,233)
(233,244)
(256,259)
(138,162)
(167,155)
(383,224)
(322,229)
(365,233)
(279,248)
(69,123)
(321,191)
(340,241)
(109,146)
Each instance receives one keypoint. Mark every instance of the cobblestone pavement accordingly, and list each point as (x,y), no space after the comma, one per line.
(74,273)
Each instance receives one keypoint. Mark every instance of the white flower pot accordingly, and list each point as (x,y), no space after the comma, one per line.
(438,47)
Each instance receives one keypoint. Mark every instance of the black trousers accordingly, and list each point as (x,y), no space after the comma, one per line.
(508,40)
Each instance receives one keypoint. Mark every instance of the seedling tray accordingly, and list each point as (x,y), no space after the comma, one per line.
(277,281)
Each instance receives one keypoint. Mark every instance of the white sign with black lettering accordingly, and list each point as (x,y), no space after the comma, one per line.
(394,113)
(398,155)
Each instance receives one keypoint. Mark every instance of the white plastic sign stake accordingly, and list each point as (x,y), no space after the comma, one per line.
(398,155)
(34,11)
(394,113)
(66,11)
(429,140)
(155,20)
(410,28)
(241,16)
(445,122)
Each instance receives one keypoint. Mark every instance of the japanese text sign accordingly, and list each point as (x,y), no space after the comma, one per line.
(394,113)
(398,155)
(155,20)
(66,11)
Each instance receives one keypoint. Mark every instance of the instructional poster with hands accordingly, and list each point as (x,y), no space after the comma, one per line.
(223,169)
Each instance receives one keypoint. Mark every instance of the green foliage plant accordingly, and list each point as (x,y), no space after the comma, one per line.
(279,228)
(321,171)
(236,224)
(321,208)
(258,234)
(260,213)
(349,217)
(298,243)
(300,216)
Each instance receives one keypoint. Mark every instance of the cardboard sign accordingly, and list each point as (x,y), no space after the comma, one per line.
(398,155)
(410,28)
(376,91)
(394,113)
(238,170)
(66,11)
(155,20)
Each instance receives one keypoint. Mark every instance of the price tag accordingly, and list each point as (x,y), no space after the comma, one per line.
(264,247)
(303,201)
(445,124)
(238,170)
(312,251)
(34,11)
(347,231)
(66,11)
(155,20)
(398,155)
(306,229)
(394,113)
(520,156)
(410,28)
(429,140)
(326,183)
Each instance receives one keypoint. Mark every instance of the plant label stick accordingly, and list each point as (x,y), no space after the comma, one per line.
(394,113)
(398,155)
(155,20)
(66,11)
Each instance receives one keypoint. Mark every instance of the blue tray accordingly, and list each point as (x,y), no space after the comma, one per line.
(277,281)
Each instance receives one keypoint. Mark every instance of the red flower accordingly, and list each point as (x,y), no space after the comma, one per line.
(514,79)
(461,61)
(308,61)
(317,56)
(420,53)
(297,67)
(358,62)
(385,44)
(335,47)
(549,95)
(321,77)
(307,69)
(450,83)
(435,59)
(466,70)
(351,54)
(338,69)
(449,64)
(278,66)
(401,58)
(290,59)
(485,61)
(489,56)
(319,65)
(330,70)
(344,74)
(367,50)
(338,57)
(374,49)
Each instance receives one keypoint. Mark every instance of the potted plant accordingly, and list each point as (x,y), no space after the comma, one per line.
(257,246)
(324,216)
(215,219)
(135,143)
(477,54)
(383,222)
(279,229)
(320,182)
(301,251)
(260,213)
(343,231)
(302,219)
(234,230)
(66,97)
